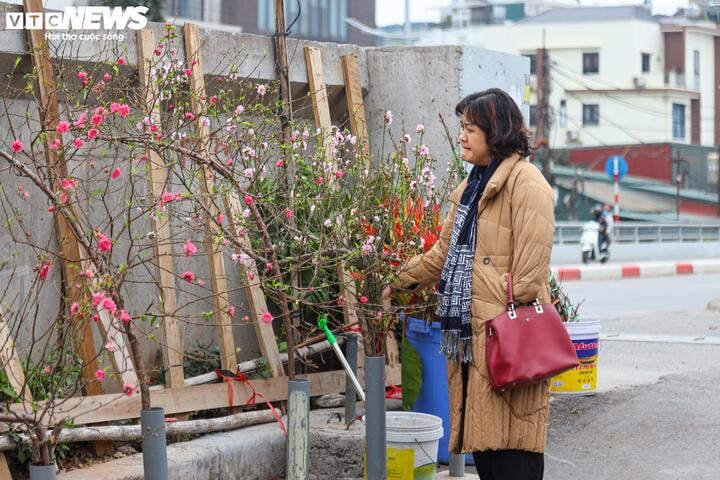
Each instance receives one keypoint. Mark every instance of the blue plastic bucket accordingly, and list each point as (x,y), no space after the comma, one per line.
(434,397)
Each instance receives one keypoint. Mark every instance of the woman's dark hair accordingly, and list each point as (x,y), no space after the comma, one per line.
(497,114)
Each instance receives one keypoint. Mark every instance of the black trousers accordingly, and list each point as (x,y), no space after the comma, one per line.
(509,465)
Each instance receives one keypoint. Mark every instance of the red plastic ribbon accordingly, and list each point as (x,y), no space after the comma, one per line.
(228,377)
(393,391)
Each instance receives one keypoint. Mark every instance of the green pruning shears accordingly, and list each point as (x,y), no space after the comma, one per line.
(323,325)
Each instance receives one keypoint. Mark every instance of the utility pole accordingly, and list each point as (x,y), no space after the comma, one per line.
(408,23)
(680,173)
(717,182)
(542,147)
(281,64)
(285,113)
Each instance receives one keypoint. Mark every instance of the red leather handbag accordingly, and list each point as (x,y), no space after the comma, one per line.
(526,345)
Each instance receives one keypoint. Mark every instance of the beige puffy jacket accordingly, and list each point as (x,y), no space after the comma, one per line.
(515,234)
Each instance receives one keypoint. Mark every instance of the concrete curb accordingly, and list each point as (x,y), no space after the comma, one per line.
(252,453)
(567,273)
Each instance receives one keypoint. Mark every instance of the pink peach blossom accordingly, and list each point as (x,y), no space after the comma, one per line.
(44,270)
(266,317)
(104,243)
(17,146)
(190,248)
(116,173)
(97,298)
(129,389)
(109,305)
(125,317)
(62,127)
(68,183)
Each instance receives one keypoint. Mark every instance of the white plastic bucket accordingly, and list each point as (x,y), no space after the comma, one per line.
(581,380)
(412,445)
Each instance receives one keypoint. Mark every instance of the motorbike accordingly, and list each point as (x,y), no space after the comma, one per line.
(590,244)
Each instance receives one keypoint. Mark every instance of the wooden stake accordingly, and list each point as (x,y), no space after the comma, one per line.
(355,103)
(217,262)
(173,347)
(254,295)
(10,363)
(49,115)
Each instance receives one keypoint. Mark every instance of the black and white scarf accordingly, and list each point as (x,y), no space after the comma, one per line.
(456,278)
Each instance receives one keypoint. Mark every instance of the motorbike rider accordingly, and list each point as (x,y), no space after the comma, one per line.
(603,231)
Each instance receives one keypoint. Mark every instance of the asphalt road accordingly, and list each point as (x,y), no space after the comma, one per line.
(655,415)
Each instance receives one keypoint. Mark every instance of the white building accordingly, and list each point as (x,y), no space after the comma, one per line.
(618,75)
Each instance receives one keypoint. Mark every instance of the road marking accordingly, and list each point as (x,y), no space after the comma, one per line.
(681,339)
(559,460)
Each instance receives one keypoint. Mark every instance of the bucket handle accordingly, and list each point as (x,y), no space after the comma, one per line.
(423,450)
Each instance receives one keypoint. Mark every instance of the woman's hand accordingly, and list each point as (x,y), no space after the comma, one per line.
(386,296)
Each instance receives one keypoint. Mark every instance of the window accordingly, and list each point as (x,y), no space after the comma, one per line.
(533,63)
(645,63)
(591,115)
(678,121)
(563,114)
(533,115)
(319,19)
(696,69)
(591,62)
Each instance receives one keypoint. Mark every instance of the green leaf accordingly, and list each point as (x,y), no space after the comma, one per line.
(411,370)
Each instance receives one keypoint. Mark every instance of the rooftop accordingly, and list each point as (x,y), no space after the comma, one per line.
(593,14)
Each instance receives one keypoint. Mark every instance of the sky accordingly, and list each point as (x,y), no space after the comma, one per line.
(389,12)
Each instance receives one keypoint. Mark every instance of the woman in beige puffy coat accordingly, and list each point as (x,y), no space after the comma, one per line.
(501,220)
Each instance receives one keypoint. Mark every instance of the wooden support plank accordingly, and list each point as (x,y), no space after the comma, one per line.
(358,127)
(355,103)
(4,468)
(10,363)
(253,293)
(49,115)
(173,347)
(218,277)
(113,407)
(321,114)
(318,94)
(120,357)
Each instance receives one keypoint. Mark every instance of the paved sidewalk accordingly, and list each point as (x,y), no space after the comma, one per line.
(612,271)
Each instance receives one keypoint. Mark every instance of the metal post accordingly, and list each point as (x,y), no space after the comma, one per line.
(350,395)
(376,457)
(678,179)
(616,182)
(154,444)
(457,465)
(298,429)
(42,472)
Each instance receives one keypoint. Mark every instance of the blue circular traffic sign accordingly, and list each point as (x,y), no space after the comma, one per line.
(610,166)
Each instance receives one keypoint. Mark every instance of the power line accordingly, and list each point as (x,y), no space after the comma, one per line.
(618,100)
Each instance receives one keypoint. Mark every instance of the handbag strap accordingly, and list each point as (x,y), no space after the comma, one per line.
(510,299)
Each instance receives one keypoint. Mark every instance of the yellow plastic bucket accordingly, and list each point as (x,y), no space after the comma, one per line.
(412,445)
(581,380)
